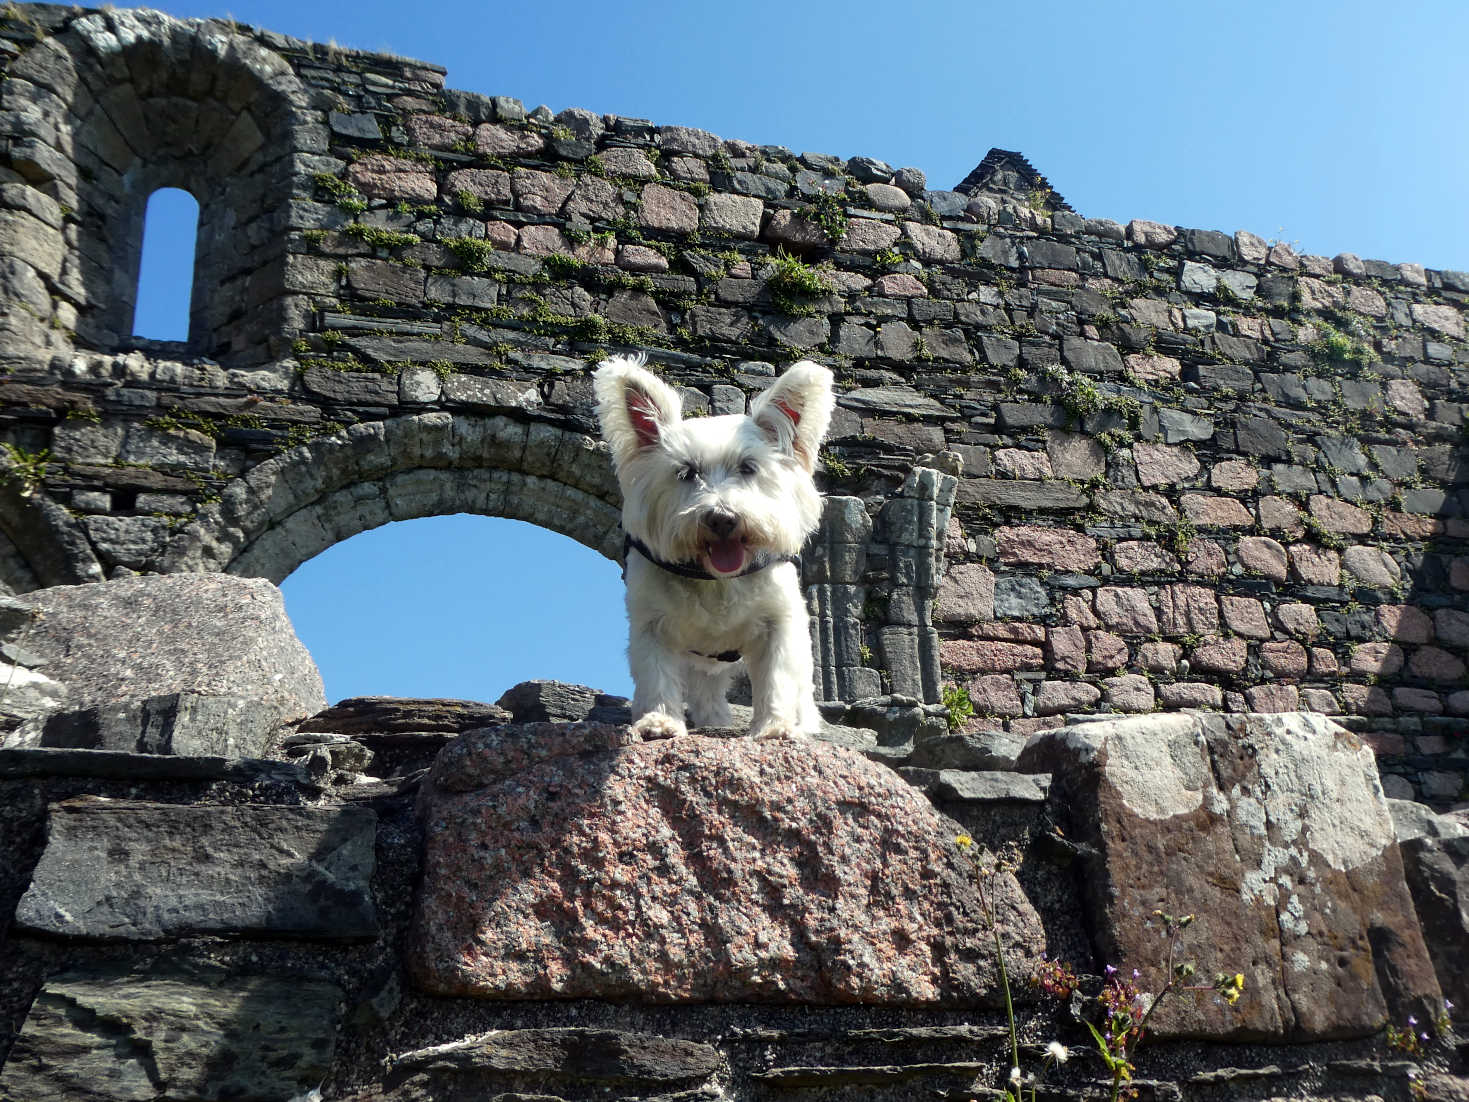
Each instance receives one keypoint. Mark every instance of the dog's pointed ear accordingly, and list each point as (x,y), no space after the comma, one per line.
(634,406)
(795,412)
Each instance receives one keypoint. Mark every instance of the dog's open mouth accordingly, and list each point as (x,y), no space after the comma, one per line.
(726,557)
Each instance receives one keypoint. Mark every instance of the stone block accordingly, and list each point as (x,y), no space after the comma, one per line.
(271,871)
(209,1033)
(539,880)
(1273,832)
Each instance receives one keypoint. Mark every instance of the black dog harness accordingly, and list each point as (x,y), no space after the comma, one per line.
(698,573)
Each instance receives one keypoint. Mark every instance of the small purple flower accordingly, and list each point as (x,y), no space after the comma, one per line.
(1412,1020)
(1111,971)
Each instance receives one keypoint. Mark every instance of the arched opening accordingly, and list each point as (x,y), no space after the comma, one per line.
(166,271)
(459,606)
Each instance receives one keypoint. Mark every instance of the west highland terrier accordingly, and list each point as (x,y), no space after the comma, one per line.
(715,510)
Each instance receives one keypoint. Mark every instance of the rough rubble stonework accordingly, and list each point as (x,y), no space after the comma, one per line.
(565,861)
(1273,832)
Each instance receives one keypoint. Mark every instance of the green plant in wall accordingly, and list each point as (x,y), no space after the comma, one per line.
(960,707)
(826,211)
(1351,345)
(473,253)
(28,469)
(793,285)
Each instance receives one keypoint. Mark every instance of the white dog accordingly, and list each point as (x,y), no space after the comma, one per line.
(715,510)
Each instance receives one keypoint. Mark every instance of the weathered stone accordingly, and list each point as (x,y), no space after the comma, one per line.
(1018,598)
(736,215)
(1370,566)
(988,656)
(969,750)
(995,695)
(566,862)
(272,871)
(1314,565)
(1244,616)
(161,653)
(569,1060)
(1142,557)
(1273,832)
(1052,548)
(1126,609)
(539,192)
(1262,555)
(1163,465)
(1220,655)
(966,594)
(379,176)
(1056,697)
(207,1034)
(1128,693)
(1187,610)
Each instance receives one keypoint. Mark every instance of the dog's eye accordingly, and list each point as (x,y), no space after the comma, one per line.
(688,472)
(748,468)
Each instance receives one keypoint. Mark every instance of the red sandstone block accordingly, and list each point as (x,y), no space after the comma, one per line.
(1220,655)
(1245,616)
(1187,610)
(1210,511)
(1159,657)
(1142,557)
(1410,527)
(995,695)
(1452,626)
(1324,663)
(1078,611)
(1125,609)
(1273,698)
(1055,697)
(1320,701)
(1030,726)
(1365,700)
(1285,659)
(1280,514)
(1437,664)
(1405,623)
(988,656)
(1417,700)
(1338,516)
(1068,649)
(1011,632)
(1233,474)
(1314,565)
(1384,744)
(1206,559)
(1298,619)
(1264,556)
(1163,464)
(1130,692)
(1383,659)
(1191,694)
(1052,548)
(1105,651)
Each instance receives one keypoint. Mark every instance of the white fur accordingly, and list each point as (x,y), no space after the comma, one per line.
(750,478)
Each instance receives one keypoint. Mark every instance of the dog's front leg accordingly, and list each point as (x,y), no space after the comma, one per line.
(781,682)
(658,691)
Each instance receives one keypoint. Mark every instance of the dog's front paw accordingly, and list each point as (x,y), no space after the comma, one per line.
(656,725)
(780,732)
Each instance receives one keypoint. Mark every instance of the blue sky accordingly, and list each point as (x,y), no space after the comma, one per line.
(1336,126)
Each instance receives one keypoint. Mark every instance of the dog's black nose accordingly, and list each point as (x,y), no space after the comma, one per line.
(721,523)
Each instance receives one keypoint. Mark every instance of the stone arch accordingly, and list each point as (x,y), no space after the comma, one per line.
(294,506)
(111,108)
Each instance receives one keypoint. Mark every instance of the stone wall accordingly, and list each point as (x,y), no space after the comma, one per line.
(1166,467)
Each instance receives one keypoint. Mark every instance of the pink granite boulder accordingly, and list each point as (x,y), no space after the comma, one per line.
(568,861)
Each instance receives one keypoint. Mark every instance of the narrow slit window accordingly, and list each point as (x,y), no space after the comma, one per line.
(166,273)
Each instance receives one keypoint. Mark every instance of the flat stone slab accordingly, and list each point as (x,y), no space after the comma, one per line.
(569,860)
(206,1035)
(545,1060)
(138,871)
(1273,831)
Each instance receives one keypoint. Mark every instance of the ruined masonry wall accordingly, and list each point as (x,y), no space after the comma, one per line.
(1168,467)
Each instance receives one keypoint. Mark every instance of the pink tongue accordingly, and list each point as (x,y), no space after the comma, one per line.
(727,556)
